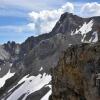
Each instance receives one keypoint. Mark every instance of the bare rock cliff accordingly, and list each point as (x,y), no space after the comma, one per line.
(77,75)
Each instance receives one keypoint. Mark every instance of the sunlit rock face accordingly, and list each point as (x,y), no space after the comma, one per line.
(77,75)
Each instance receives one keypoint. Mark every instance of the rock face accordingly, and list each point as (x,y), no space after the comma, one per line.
(77,75)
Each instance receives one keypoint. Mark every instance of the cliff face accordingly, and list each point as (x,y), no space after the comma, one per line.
(77,75)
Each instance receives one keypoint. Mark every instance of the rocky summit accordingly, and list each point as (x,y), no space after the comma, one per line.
(64,63)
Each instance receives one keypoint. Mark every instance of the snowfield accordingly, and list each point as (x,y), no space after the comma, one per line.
(30,85)
(5,77)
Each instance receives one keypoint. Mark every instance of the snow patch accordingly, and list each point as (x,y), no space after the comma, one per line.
(93,39)
(46,97)
(85,28)
(23,79)
(30,85)
(41,69)
(4,78)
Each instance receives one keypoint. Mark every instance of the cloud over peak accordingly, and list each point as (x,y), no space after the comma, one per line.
(45,20)
(91,9)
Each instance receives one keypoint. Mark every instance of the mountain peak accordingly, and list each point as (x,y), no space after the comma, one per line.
(68,15)
(67,22)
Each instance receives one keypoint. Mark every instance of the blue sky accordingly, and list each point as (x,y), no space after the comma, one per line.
(20,19)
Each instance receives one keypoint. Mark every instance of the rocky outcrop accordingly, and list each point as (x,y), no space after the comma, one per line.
(77,75)
(12,47)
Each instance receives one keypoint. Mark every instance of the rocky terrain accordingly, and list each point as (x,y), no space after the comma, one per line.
(25,69)
(77,75)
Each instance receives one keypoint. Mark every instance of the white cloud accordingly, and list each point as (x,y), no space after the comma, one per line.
(20,8)
(30,26)
(29,4)
(45,20)
(17,29)
(90,9)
